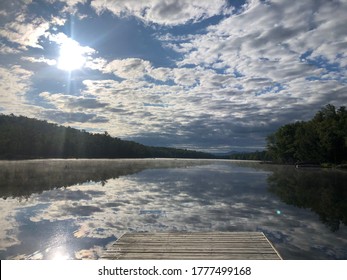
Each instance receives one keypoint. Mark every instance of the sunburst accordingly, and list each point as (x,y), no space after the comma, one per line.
(71,56)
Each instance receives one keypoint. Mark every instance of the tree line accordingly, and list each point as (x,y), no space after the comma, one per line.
(322,139)
(27,138)
(257,155)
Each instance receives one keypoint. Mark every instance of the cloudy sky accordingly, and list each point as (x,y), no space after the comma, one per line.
(208,75)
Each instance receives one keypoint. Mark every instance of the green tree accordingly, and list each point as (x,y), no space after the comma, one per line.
(282,145)
(322,139)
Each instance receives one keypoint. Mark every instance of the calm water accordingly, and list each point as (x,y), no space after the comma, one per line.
(76,208)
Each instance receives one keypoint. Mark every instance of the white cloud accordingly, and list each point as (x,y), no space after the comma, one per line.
(10,9)
(161,73)
(248,79)
(264,44)
(247,71)
(58,21)
(164,12)
(40,60)
(130,68)
(185,76)
(68,3)
(14,84)
(8,225)
(24,33)
(137,106)
(96,63)
(70,6)
(62,39)
(8,50)
(71,103)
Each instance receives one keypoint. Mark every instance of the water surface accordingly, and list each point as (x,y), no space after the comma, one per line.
(76,208)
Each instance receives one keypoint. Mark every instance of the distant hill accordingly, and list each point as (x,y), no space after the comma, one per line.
(226,154)
(27,138)
(258,155)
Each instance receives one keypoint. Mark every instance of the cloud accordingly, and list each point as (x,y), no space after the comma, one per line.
(12,8)
(69,3)
(62,39)
(25,33)
(226,83)
(168,12)
(69,109)
(14,84)
(198,105)
(160,73)
(72,118)
(255,58)
(8,50)
(130,68)
(264,30)
(70,102)
(70,6)
(40,60)
(90,254)
(96,63)
(9,226)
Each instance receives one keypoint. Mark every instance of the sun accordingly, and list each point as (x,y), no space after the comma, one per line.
(71,56)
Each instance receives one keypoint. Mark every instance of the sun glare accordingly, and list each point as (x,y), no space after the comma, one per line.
(71,56)
(59,254)
(60,257)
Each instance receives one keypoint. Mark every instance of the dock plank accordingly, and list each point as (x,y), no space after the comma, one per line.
(193,246)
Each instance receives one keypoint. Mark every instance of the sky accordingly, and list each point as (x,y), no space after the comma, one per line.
(213,76)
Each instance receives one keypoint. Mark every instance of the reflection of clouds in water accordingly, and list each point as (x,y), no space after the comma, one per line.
(35,256)
(8,225)
(228,202)
(207,198)
(89,254)
(64,195)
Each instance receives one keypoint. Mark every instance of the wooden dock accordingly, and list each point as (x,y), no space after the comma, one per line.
(193,246)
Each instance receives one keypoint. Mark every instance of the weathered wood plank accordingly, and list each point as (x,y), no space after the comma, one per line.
(187,245)
(150,256)
(190,246)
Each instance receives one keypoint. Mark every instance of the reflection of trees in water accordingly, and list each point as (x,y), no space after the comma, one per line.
(322,191)
(23,178)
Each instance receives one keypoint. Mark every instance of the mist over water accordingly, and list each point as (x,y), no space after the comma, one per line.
(77,208)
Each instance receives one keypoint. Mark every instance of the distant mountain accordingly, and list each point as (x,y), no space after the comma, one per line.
(27,138)
(225,154)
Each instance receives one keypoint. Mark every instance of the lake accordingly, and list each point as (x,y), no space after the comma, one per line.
(75,209)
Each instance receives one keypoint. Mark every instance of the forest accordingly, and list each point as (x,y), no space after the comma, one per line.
(321,140)
(257,155)
(27,138)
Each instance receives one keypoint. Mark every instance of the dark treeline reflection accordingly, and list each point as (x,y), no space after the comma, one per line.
(23,178)
(322,191)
